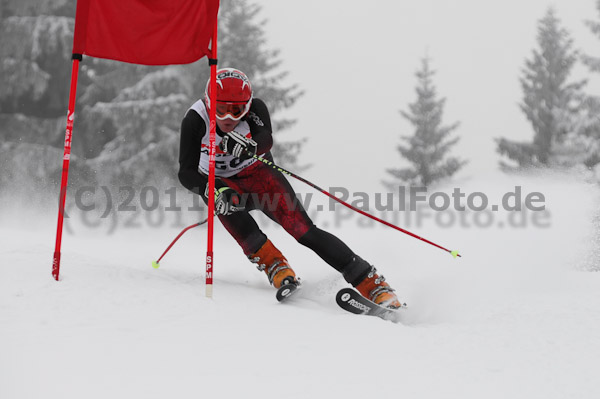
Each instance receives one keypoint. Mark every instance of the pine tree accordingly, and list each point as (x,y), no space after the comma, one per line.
(243,45)
(128,116)
(34,73)
(145,116)
(550,102)
(593,62)
(589,123)
(5,9)
(427,149)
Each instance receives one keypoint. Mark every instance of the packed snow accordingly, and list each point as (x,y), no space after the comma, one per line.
(516,317)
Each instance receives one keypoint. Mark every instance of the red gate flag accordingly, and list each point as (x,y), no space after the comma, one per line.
(149,32)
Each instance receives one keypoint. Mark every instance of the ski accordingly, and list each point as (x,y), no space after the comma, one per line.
(287,290)
(353,302)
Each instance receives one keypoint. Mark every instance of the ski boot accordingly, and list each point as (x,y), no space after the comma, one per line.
(374,288)
(369,284)
(270,260)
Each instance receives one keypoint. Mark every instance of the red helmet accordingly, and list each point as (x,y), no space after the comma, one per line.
(234,94)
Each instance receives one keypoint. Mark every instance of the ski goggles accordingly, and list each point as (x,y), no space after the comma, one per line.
(232,110)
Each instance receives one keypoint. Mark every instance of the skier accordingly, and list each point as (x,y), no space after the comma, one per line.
(243,183)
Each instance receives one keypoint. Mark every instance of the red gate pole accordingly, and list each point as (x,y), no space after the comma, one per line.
(66,161)
(211,163)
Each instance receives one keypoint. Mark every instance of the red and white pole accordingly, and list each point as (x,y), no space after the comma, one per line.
(66,161)
(211,164)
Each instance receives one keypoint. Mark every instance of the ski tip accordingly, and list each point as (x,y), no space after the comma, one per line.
(155,264)
(455,254)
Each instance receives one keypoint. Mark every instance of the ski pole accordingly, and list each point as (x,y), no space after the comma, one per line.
(287,172)
(155,264)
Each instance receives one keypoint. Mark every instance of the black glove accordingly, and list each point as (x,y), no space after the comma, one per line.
(239,146)
(227,200)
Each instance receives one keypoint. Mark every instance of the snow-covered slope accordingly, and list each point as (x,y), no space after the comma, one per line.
(513,318)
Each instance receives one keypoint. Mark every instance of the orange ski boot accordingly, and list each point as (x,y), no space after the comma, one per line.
(374,288)
(270,260)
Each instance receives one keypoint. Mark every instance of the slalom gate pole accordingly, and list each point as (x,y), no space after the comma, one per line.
(295,176)
(211,162)
(65,169)
(156,263)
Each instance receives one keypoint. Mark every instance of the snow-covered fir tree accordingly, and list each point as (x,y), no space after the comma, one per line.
(590,130)
(428,147)
(145,116)
(551,102)
(589,123)
(593,61)
(127,120)
(34,73)
(244,46)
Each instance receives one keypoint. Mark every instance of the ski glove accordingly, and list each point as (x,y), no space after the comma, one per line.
(239,146)
(227,200)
